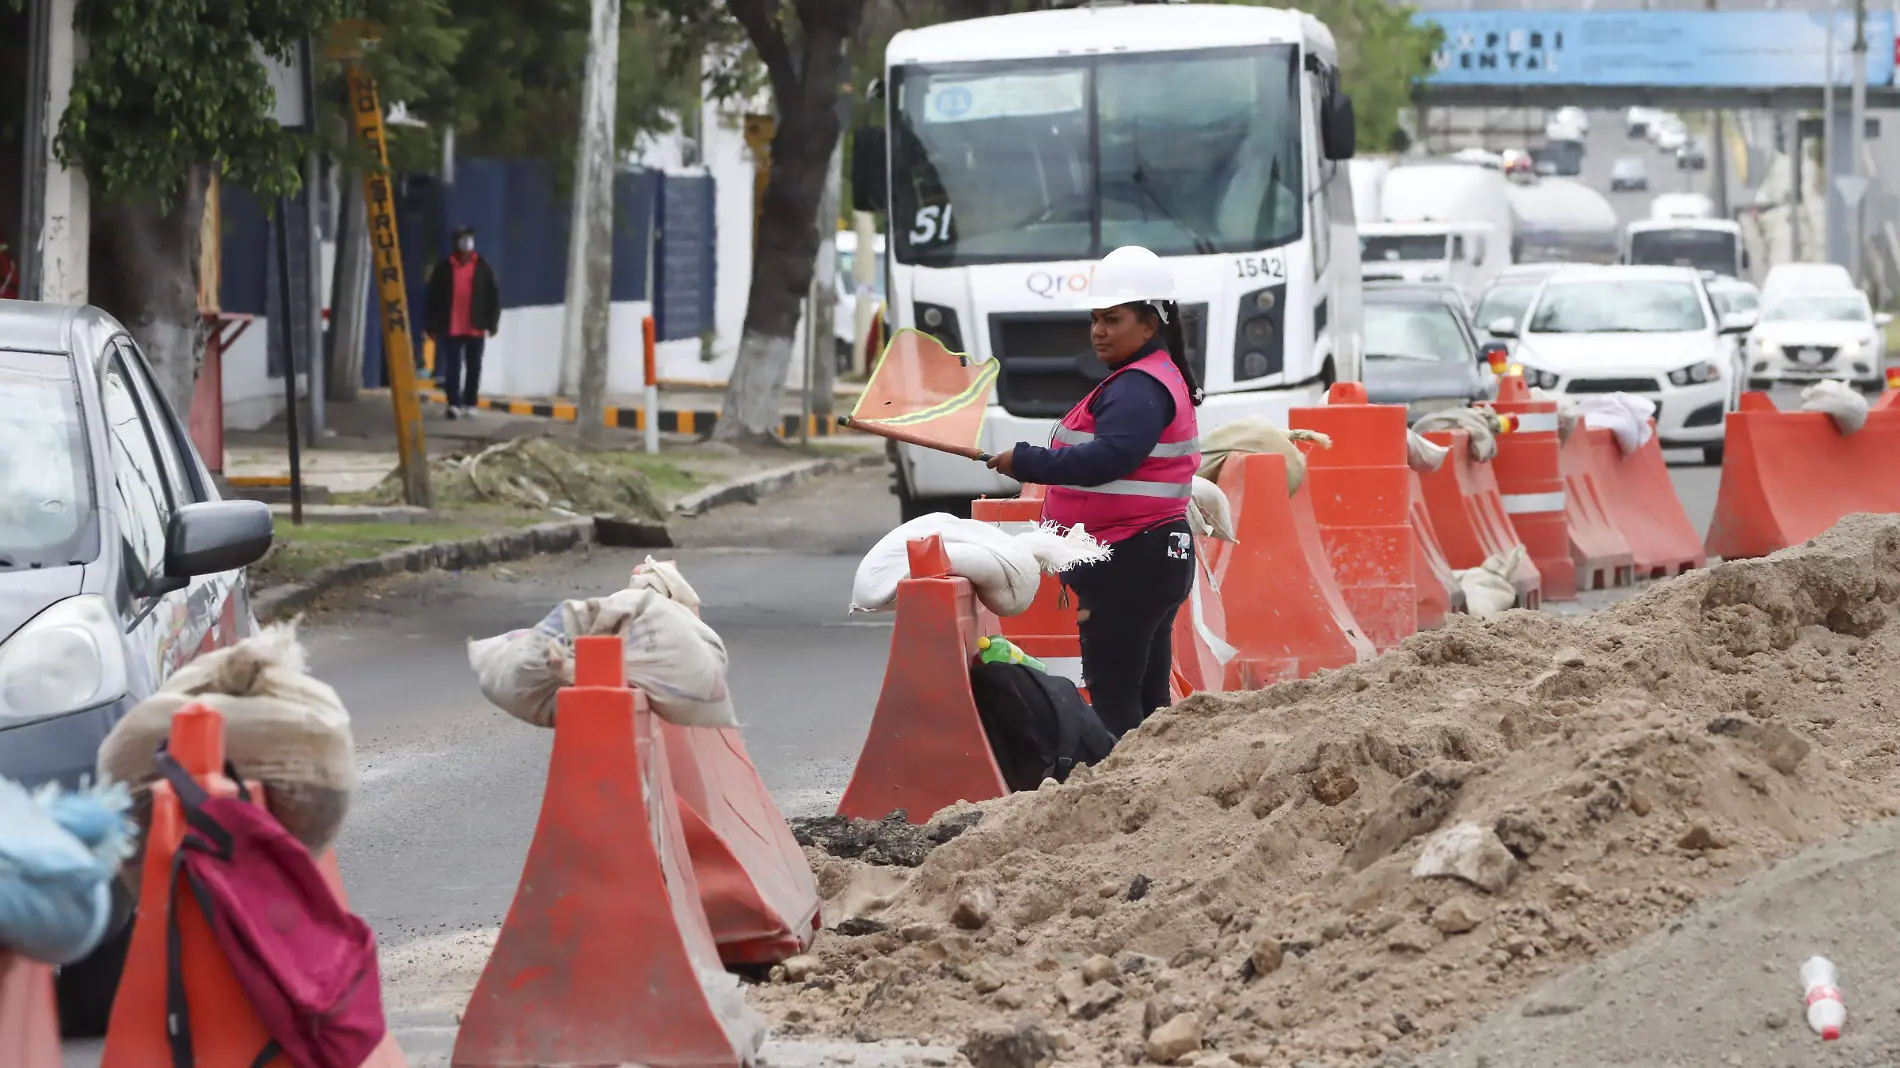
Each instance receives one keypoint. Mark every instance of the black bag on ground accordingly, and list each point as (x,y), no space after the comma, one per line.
(1038,725)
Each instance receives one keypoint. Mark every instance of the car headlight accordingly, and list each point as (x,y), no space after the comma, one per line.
(65,659)
(1538,378)
(1427,405)
(1695,374)
(1850,348)
(1767,348)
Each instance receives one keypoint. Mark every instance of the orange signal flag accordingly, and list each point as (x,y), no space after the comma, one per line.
(924,394)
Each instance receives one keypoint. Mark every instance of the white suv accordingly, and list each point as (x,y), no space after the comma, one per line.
(1648,331)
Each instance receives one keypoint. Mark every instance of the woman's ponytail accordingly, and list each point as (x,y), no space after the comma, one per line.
(1174,336)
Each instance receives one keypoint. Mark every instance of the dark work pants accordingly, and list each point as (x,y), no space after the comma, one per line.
(1125,610)
(459,369)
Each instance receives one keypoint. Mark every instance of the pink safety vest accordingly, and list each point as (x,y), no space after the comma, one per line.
(1156,492)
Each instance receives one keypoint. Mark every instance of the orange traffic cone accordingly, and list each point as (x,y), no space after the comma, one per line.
(29,1024)
(606,956)
(225,1033)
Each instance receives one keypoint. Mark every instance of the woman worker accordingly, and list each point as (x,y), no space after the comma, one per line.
(1121,465)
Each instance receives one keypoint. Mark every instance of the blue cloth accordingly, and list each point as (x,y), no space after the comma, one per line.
(1131,411)
(58,855)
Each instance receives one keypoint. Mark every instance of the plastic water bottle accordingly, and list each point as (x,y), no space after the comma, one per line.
(1826,1014)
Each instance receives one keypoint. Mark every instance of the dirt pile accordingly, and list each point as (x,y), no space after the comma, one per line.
(534,474)
(1236,884)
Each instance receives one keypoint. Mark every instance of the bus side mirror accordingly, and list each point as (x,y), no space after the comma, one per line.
(870,190)
(1341,134)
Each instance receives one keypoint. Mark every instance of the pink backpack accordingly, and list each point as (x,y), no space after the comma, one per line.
(308,964)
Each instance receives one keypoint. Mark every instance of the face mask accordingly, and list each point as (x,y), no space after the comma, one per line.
(466,244)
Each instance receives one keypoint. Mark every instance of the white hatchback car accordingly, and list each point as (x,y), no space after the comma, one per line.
(1807,335)
(1648,331)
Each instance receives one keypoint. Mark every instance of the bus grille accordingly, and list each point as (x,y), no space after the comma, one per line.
(1048,364)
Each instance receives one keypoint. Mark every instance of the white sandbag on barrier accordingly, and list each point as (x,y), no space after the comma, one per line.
(1210,513)
(1422,455)
(1479,424)
(1006,569)
(663,577)
(282,727)
(1258,434)
(1624,415)
(671,655)
(1842,403)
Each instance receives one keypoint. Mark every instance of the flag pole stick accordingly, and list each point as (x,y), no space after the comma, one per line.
(908,438)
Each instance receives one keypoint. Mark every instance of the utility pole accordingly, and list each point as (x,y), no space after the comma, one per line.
(1718,148)
(55,242)
(1854,193)
(824,310)
(590,235)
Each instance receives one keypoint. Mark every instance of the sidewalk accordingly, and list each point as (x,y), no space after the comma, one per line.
(360,447)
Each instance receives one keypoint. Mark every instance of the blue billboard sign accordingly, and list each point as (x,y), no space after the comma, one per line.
(1673,49)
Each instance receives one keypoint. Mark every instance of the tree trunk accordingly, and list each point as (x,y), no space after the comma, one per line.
(787,241)
(145,272)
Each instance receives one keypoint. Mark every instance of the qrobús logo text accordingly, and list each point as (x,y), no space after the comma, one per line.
(1508,50)
(1055,285)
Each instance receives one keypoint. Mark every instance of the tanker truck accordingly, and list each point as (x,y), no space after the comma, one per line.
(1439,221)
(1562,221)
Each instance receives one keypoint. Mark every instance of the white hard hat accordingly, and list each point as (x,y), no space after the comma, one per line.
(1129,275)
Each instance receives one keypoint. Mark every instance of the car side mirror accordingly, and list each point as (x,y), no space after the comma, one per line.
(1737,323)
(1341,131)
(1881,319)
(1504,327)
(214,536)
(870,187)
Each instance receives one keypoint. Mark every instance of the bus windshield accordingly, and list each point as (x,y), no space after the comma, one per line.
(1181,152)
(1705,250)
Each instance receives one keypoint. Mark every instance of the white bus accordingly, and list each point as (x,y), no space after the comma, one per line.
(1019,149)
(1705,244)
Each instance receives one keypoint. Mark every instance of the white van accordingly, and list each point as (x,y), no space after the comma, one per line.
(1682,206)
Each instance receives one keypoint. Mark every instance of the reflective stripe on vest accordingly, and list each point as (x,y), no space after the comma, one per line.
(1157,490)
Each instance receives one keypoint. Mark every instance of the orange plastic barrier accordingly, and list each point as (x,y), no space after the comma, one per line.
(29,1021)
(1468,514)
(1438,592)
(1047,631)
(1284,613)
(926,748)
(756,886)
(1787,476)
(225,1033)
(1597,545)
(1644,506)
(601,957)
(1530,478)
(1362,496)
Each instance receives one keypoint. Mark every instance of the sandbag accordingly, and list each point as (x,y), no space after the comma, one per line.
(1487,587)
(670,654)
(1006,569)
(58,854)
(1422,455)
(1257,434)
(1842,403)
(282,727)
(1210,514)
(1479,424)
(1624,415)
(663,577)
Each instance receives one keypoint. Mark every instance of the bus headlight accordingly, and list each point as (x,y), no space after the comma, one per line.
(941,323)
(1259,349)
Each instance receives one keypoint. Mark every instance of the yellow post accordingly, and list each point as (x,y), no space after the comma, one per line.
(759,131)
(367,115)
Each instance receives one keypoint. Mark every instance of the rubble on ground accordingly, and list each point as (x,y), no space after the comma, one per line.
(1344,870)
(538,475)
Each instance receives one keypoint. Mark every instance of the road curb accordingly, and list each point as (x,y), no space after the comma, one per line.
(752,489)
(504,547)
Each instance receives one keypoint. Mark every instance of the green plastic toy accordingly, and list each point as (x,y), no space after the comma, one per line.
(1000,650)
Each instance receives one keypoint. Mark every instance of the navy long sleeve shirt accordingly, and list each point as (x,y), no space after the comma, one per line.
(1131,412)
